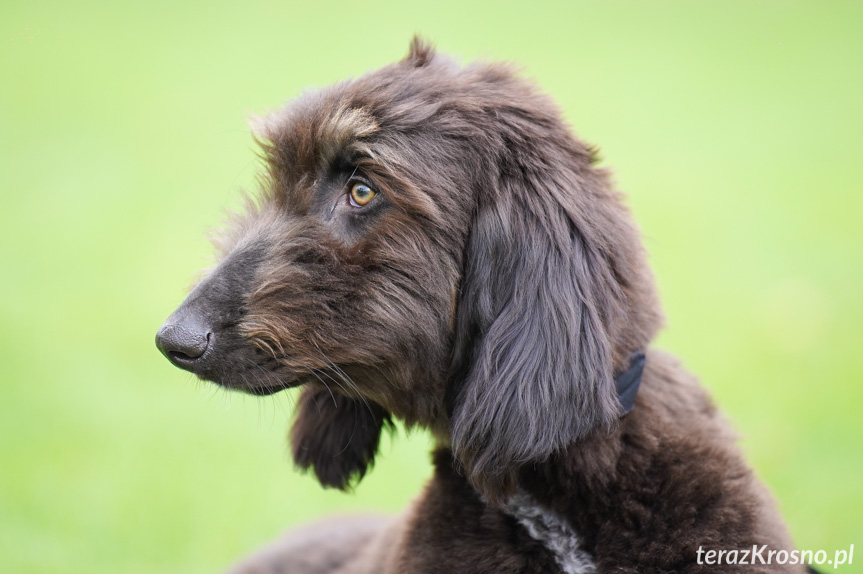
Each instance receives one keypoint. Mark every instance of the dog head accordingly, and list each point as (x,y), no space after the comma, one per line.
(430,243)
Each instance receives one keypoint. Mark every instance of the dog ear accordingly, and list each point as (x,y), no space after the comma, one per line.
(336,436)
(533,354)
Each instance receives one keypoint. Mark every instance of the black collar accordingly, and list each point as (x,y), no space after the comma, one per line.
(628,381)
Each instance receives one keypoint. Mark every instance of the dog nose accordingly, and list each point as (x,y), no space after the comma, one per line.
(183,343)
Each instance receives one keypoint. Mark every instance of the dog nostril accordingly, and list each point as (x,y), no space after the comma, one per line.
(183,345)
(180,356)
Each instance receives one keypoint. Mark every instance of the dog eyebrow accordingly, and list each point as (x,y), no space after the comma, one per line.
(343,128)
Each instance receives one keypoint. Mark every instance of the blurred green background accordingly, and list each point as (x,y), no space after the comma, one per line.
(736,128)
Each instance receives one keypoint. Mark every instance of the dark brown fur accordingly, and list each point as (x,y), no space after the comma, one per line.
(489,292)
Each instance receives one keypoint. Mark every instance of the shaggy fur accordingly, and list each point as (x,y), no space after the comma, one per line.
(490,292)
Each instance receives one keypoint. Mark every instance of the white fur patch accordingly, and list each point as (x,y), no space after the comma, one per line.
(552,531)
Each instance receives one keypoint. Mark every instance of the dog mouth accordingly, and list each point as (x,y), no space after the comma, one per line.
(252,378)
(219,359)
(254,381)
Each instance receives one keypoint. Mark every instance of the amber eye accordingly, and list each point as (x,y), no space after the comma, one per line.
(361,194)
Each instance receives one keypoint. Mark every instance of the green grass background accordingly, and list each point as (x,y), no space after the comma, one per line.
(736,128)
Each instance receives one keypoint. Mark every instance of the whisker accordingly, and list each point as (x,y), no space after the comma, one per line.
(345,378)
(350,177)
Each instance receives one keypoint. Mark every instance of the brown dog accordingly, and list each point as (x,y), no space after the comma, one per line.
(433,244)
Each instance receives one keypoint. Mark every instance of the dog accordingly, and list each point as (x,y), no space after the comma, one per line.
(432,244)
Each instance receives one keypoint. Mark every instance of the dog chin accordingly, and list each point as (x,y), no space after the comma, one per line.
(256,388)
(265,391)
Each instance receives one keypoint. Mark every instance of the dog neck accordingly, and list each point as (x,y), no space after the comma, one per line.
(549,528)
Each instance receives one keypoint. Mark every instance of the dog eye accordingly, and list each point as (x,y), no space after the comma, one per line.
(361,194)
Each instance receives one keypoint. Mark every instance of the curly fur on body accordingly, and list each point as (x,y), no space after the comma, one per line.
(490,290)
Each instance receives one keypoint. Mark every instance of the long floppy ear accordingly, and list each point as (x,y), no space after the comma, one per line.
(336,436)
(533,355)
